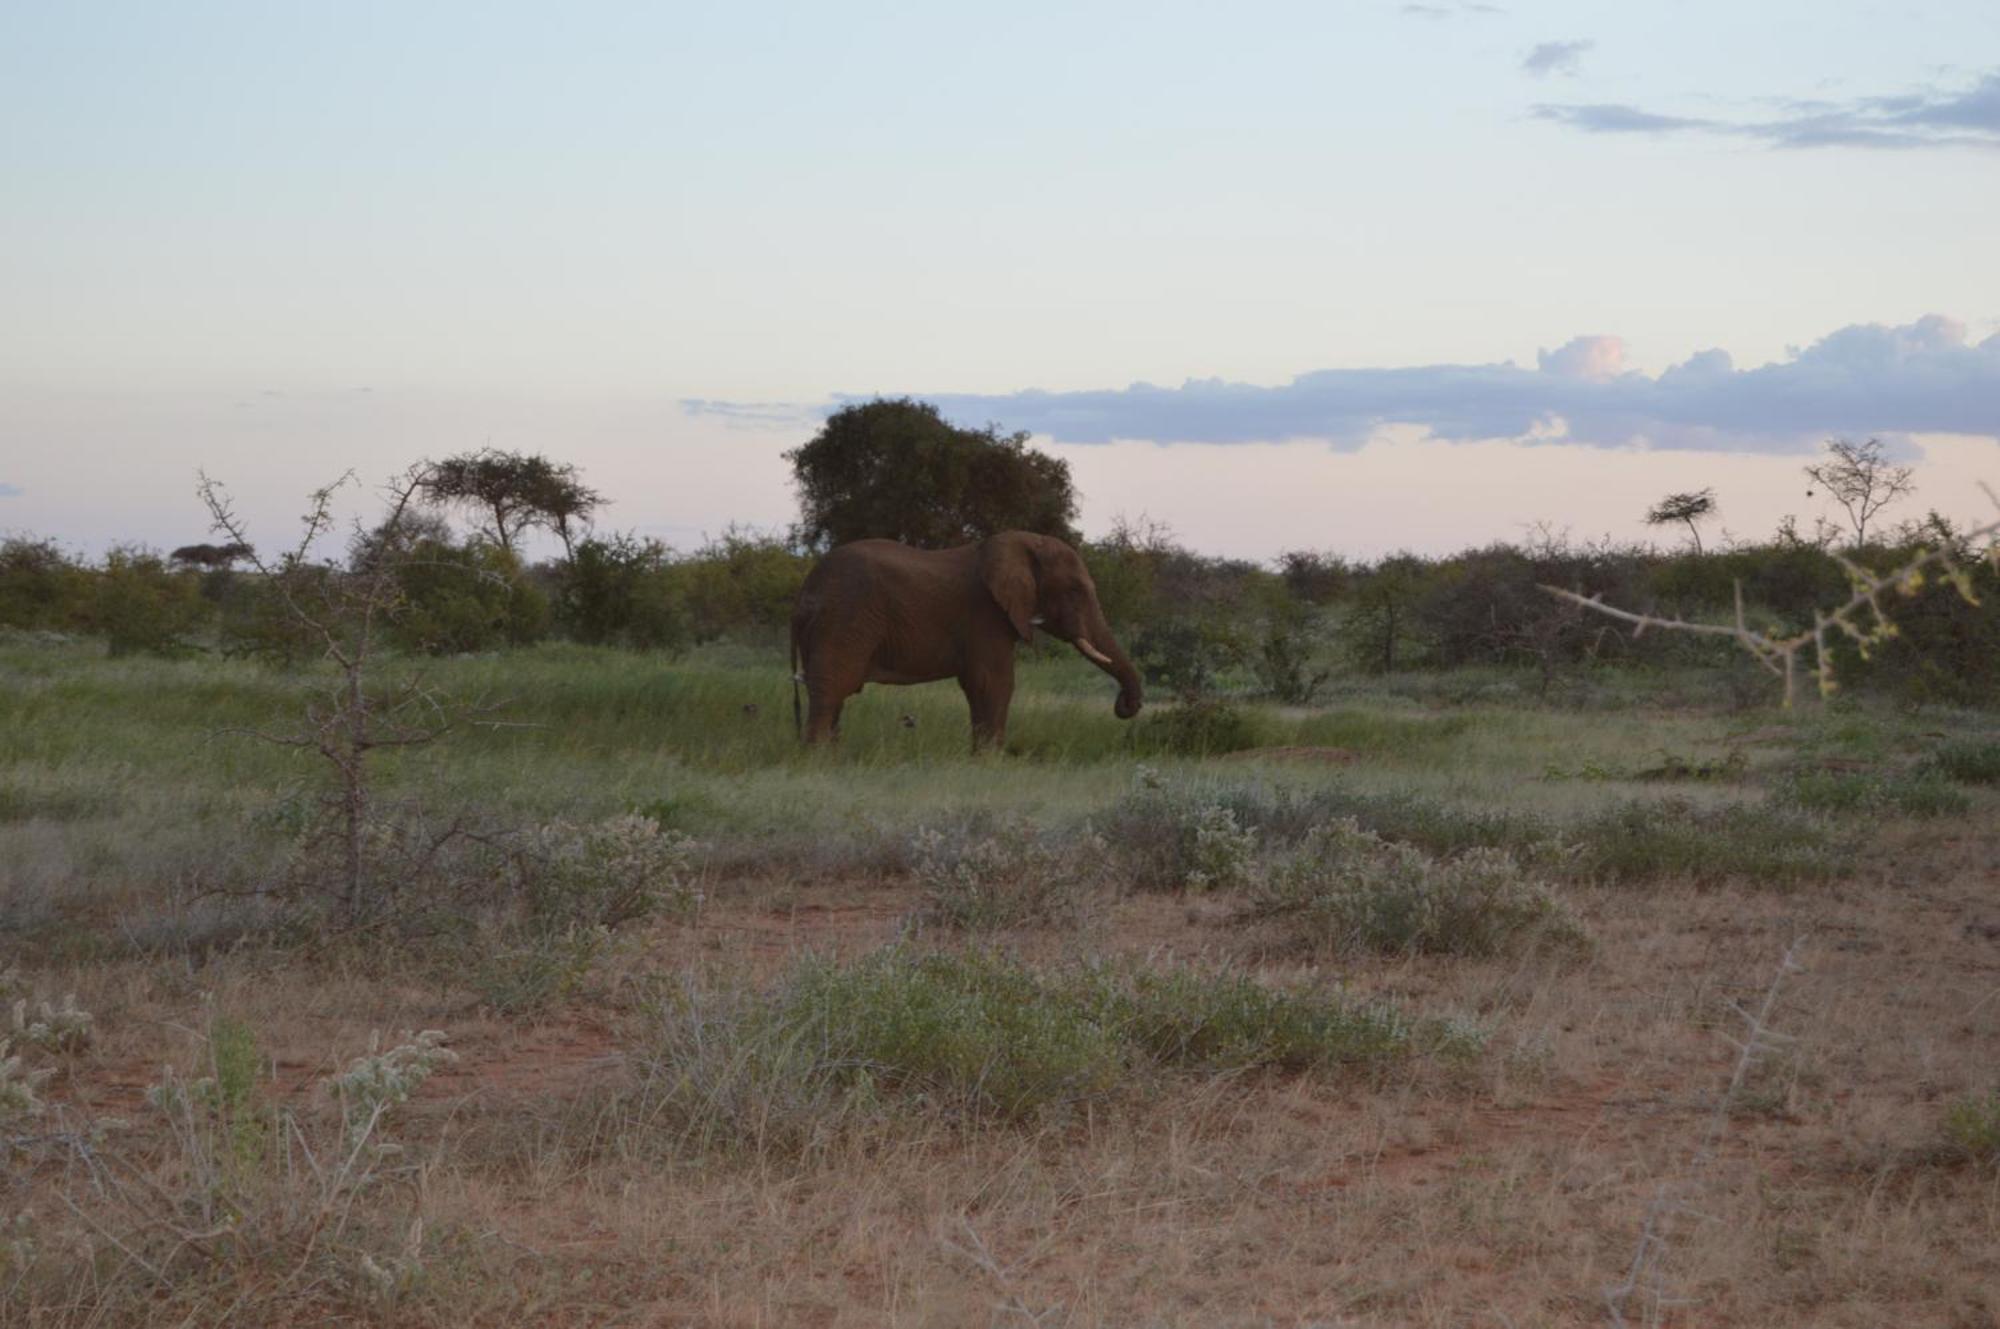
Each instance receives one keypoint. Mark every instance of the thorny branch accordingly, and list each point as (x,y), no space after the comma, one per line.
(1863,618)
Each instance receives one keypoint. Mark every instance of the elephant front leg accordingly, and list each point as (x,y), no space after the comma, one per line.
(988,696)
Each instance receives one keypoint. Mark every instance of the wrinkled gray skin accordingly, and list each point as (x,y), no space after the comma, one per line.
(876,611)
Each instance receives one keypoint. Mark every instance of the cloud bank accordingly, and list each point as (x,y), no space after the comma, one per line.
(1924,377)
(1933,118)
(10,491)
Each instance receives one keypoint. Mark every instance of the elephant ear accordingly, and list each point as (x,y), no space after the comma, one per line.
(1007,566)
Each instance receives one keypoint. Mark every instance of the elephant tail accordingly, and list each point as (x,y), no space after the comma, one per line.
(798,720)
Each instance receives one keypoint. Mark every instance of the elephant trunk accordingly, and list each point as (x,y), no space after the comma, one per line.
(1096,644)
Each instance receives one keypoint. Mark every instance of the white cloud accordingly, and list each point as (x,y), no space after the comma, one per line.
(1555,58)
(1591,358)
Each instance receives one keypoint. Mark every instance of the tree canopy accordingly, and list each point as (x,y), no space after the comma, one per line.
(896,469)
(508,492)
(1861,478)
(1690,508)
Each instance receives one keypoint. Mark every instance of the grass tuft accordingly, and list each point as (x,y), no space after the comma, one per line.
(976,1037)
(1920,793)
(1972,1127)
(1968,760)
(1641,840)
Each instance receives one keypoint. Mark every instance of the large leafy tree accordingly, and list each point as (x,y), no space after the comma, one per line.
(898,470)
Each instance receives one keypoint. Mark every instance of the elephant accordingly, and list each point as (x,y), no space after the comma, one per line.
(876,611)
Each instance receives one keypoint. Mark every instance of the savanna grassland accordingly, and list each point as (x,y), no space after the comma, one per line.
(1423,1005)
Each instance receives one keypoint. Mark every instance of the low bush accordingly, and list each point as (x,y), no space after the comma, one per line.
(1173,837)
(1348,889)
(141,604)
(454,598)
(1012,876)
(621,591)
(604,873)
(1201,728)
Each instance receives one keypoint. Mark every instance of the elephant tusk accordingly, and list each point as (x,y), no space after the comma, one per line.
(1092,653)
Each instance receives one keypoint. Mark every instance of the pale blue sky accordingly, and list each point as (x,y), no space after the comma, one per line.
(272,239)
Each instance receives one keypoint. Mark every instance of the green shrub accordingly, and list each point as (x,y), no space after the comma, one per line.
(140,604)
(41,586)
(1286,657)
(742,581)
(1972,1127)
(1640,840)
(1968,760)
(1010,877)
(254,622)
(459,598)
(1183,655)
(1347,889)
(622,591)
(1921,793)
(1202,728)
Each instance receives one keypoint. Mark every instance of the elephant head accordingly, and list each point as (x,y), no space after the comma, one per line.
(1040,582)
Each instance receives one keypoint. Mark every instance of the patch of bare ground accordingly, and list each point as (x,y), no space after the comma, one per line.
(1510,1194)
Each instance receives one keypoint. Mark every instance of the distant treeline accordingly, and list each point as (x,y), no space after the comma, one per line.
(1197,624)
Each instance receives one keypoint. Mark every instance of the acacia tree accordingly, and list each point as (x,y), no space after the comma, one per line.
(1861,479)
(1688,508)
(343,611)
(898,470)
(509,493)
